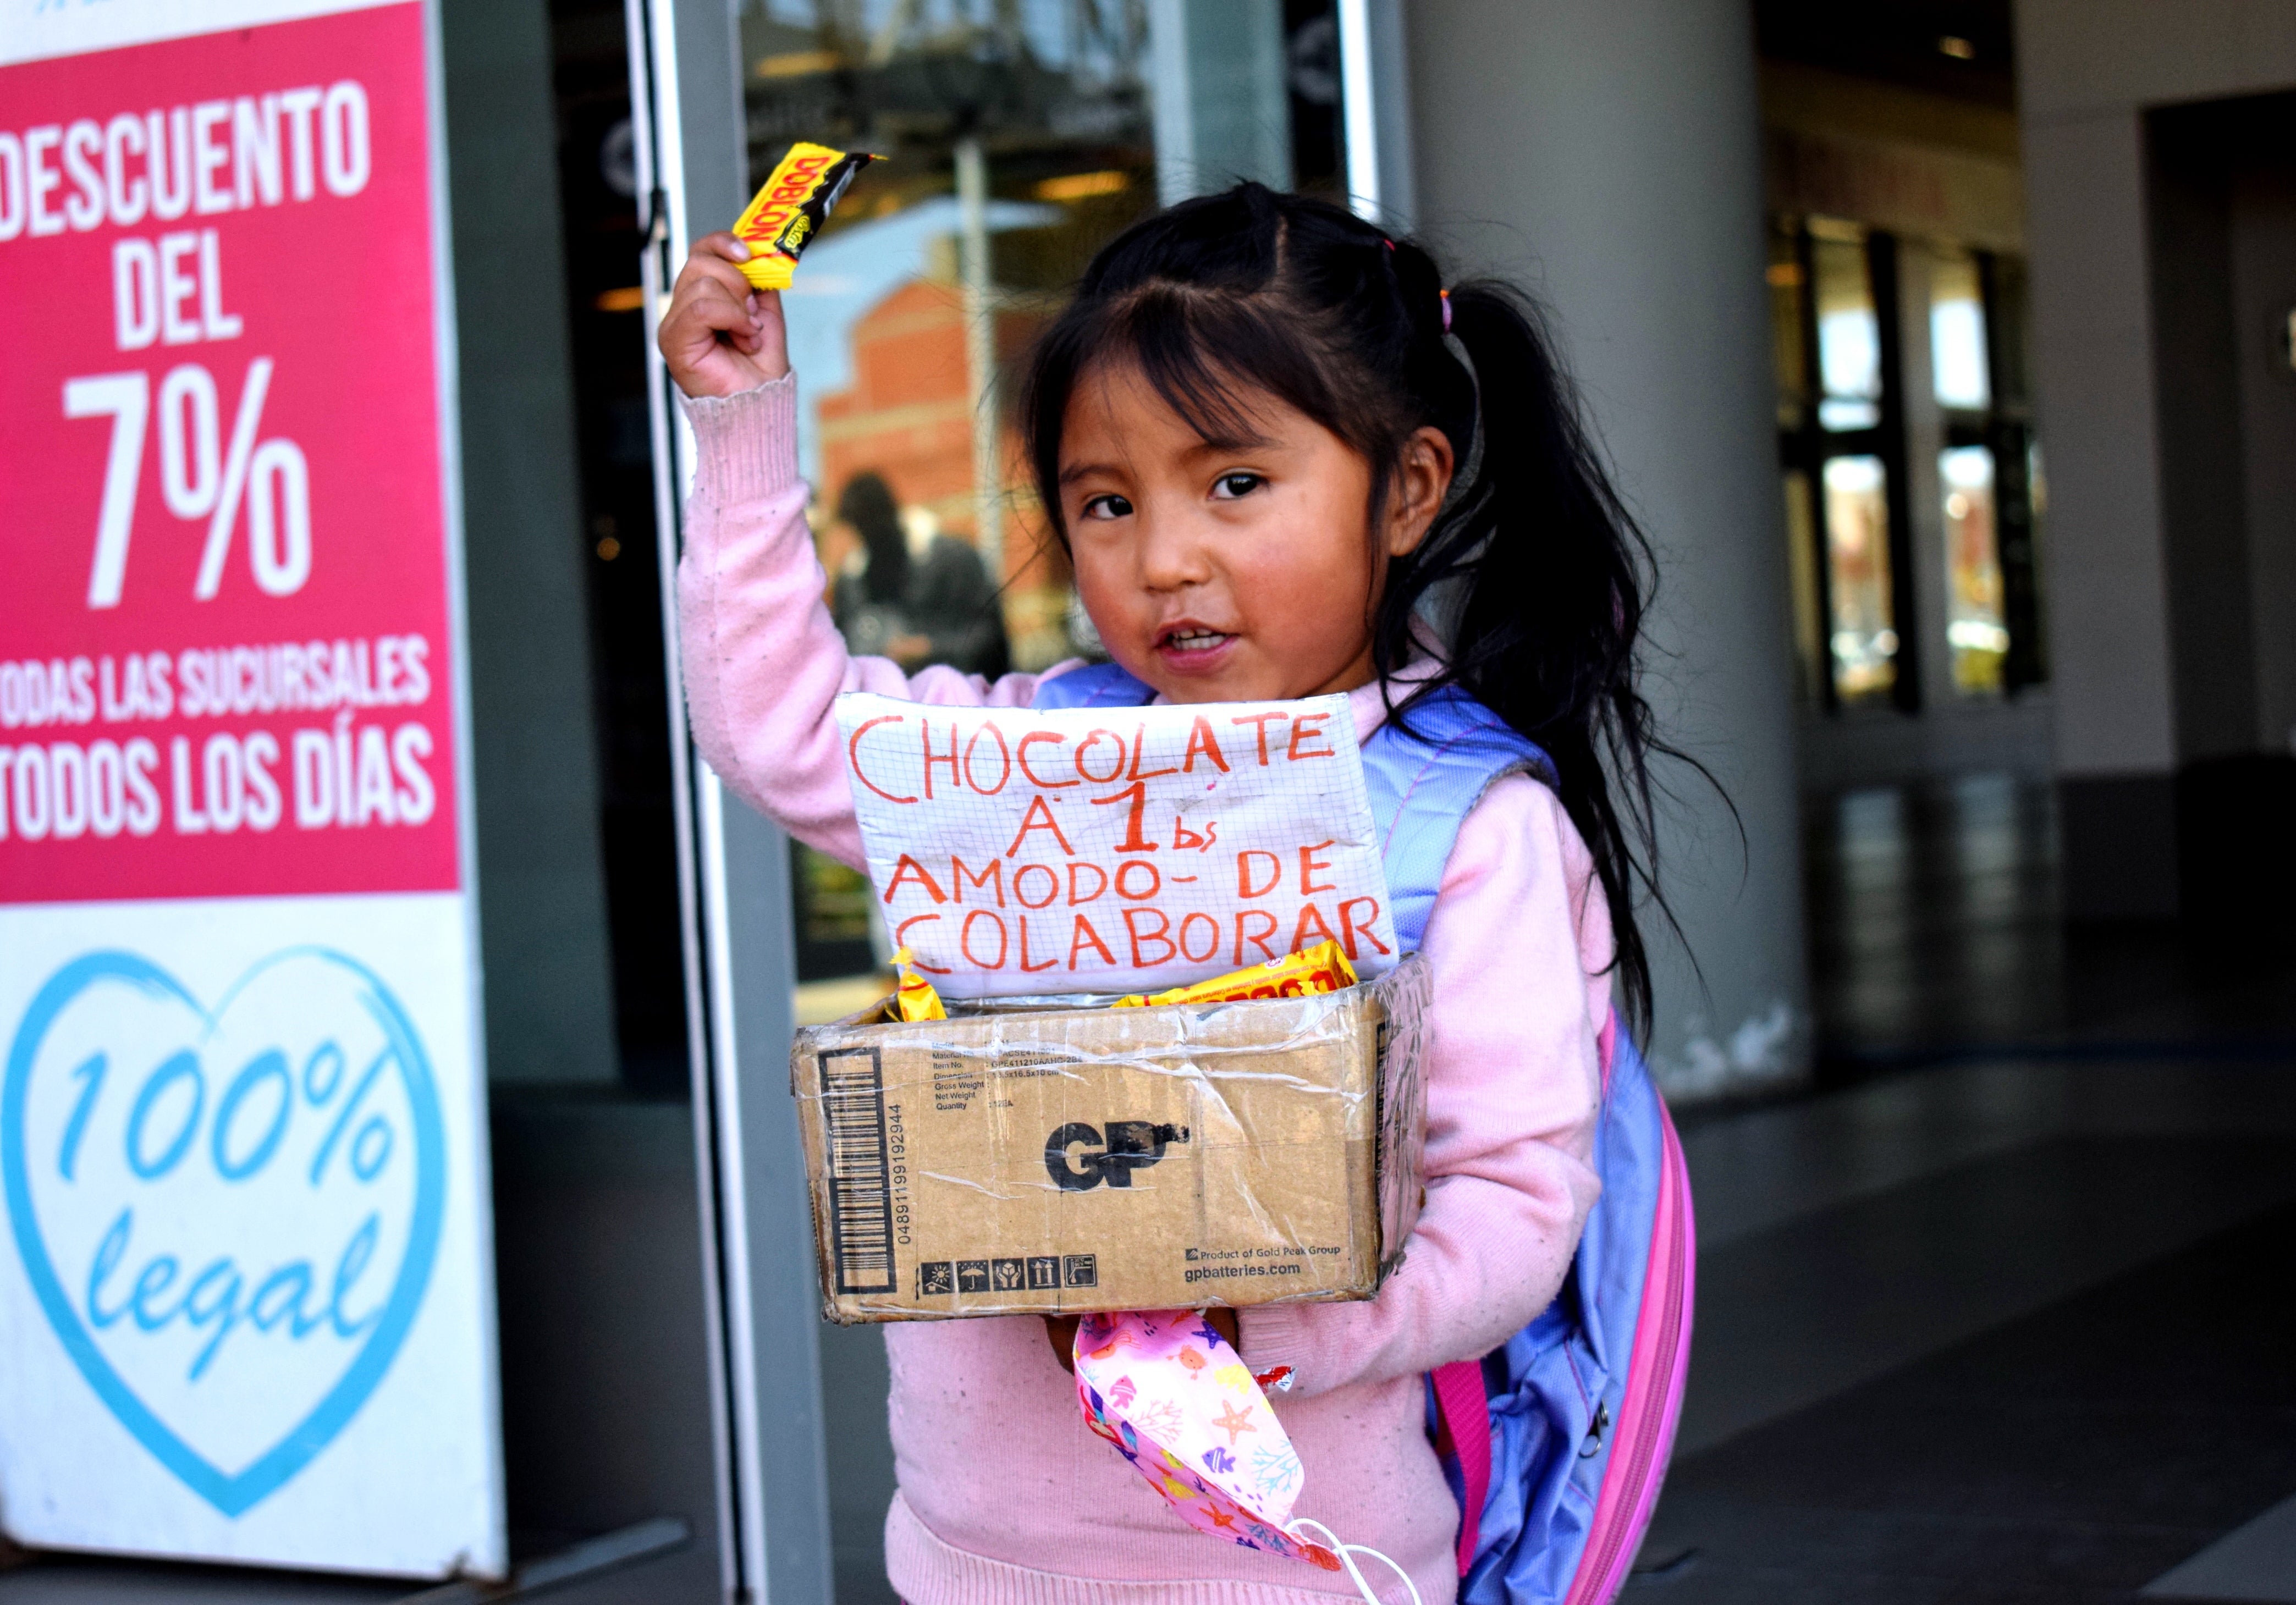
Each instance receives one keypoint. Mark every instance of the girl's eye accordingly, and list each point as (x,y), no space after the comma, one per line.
(1107,507)
(1227,488)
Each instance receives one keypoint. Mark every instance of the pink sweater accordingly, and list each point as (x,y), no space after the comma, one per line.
(1004,1495)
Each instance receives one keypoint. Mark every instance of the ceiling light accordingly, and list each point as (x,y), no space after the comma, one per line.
(799,63)
(1080,186)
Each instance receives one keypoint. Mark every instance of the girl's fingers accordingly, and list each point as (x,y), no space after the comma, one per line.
(711,304)
(701,270)
(721,334)
(723,245)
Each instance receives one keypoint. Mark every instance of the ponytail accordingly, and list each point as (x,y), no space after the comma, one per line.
(1535,579)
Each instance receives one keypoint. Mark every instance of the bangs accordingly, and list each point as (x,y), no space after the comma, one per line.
(1209,356)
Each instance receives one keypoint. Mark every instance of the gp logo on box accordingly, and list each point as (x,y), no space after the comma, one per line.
(1080,1159)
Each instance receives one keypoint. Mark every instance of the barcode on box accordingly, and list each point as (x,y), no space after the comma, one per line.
(860,1202)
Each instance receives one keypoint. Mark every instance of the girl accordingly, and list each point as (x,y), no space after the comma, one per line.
(1285,462)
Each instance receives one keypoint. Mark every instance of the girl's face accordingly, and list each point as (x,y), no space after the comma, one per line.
(1233,570)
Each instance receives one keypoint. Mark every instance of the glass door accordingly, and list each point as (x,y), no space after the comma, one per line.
(1019,137)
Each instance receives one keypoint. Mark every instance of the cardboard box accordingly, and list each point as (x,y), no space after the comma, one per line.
(1056,1157)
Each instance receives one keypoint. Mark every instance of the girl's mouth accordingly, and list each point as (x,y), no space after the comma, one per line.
(1191,645)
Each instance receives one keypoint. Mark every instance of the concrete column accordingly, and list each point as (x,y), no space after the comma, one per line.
(2105,591)
(1608,157)
(2156,413)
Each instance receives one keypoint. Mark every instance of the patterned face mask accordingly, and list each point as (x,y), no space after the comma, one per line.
(1178,1403)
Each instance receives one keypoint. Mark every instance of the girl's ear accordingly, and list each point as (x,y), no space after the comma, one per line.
(1423,478)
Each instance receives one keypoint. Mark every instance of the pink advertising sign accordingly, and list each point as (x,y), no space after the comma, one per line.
(246,1283)
(229,660)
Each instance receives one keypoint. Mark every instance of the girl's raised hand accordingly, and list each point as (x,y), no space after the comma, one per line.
(721,336)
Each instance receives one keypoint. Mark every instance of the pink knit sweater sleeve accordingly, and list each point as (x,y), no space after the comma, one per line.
(763,662)
(1519,946)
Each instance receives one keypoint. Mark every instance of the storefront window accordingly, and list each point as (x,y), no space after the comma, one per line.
(1975,631)
(1015,139)
(1985,479)
(1958,332)
(1854,542)
(1848,334)
(1865,639)
(1828,280)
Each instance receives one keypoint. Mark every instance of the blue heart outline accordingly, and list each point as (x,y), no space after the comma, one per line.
(232,1494)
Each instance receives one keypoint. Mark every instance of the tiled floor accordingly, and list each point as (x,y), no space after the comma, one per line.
(1934,933)
(2004,1315)
(2074,1453)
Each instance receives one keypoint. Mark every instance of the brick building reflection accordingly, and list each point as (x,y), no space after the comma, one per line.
(909,415)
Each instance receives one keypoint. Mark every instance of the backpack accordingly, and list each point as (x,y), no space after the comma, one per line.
(1555,1444)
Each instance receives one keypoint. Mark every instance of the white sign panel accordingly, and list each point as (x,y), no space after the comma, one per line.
(242,1317)
(246,1282)
(1100,850)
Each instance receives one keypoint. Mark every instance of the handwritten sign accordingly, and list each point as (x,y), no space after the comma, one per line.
(1115,849)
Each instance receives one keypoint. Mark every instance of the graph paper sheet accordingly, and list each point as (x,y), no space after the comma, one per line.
(1115,849)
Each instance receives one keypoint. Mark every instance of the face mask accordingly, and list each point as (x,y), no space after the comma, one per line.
(1184,1408)
(1174,1399)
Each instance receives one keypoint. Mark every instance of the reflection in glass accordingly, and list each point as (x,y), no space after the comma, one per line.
(835,898)
(1865,639)
(1019,137)
(1976,630)
(1788,348)
(1808,611)
(1958,332)
(1849,337)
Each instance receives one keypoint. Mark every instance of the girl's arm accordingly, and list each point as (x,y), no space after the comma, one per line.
(763,661)
(1520,946)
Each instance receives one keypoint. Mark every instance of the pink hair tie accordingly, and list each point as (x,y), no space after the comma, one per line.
(1447,310)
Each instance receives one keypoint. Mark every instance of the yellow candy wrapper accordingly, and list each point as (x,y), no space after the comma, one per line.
(914,997)
(781,221)
(1322,967)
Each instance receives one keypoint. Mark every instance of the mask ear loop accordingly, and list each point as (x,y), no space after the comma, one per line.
(1347,1552)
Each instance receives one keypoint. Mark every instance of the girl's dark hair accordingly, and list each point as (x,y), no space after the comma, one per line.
(867,505)
(1535,574)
